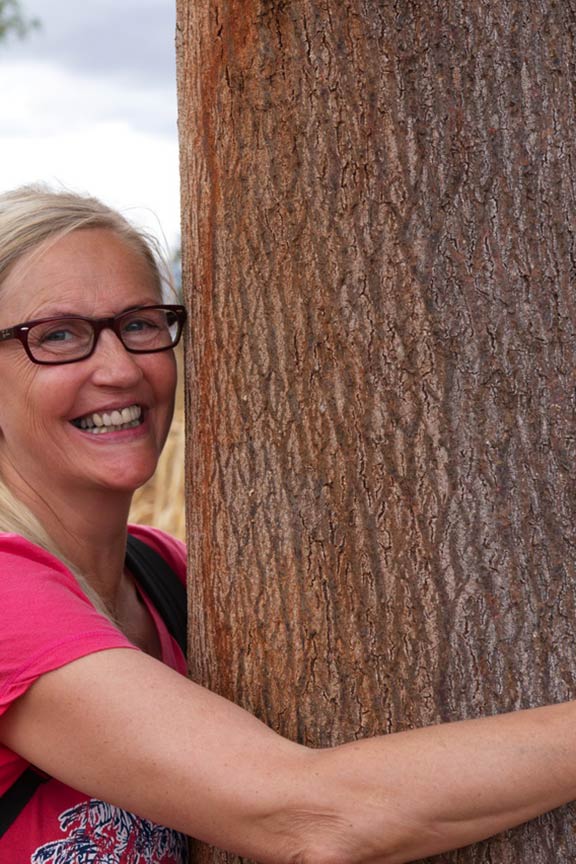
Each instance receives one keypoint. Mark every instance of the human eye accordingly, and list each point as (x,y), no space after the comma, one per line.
(58,337)
(143,320)
(145,329)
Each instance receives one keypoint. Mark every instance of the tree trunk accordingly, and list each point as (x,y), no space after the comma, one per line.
(380,252)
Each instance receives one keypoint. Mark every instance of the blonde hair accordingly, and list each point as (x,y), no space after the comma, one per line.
(29,217)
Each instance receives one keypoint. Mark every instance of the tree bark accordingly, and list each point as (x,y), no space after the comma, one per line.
(379,252)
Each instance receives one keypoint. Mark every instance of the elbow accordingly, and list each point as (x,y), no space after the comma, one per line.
(330,819)
(320,852)
(361,835)
(346,851)
(335,852)
(320,814)
(321,838)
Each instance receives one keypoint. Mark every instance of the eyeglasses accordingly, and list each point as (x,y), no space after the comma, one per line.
(143,330)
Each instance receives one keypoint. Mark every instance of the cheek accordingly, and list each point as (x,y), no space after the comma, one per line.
(166,376)
(17,380)
(162,375)
(35,396)
(171,383)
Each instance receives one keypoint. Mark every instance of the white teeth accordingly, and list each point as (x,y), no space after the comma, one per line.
(124,418)
(102,430)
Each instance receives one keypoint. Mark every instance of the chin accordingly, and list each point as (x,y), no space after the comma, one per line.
(127,481)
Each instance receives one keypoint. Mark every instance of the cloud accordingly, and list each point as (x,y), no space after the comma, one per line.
(89,102)
(132,40)
(44,97)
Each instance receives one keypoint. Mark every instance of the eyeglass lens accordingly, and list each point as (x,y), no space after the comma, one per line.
(70,338)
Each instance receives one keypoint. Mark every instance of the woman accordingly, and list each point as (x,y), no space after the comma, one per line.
(92,687)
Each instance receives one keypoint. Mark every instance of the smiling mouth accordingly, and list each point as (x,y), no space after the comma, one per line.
(99,423)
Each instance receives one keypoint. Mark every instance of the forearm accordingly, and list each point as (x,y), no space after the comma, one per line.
(407,796)
(122,727)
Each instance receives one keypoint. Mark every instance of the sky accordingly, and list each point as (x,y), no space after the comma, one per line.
(89,103)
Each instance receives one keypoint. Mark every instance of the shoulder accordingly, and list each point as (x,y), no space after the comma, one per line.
(46,620)
(172,550)
(15,546)
(19,556)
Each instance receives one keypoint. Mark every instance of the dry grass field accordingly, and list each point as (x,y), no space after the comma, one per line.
(161,501)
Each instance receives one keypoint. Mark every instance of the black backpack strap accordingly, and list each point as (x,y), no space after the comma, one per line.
(17,796)
(162,586)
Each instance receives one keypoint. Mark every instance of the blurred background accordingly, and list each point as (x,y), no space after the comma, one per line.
(88,95)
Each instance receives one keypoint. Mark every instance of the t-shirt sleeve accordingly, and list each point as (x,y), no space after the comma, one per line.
(46,621)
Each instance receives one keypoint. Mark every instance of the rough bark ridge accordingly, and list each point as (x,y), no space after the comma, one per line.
(379,244)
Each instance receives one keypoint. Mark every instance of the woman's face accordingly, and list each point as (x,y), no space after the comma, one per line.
(94,273)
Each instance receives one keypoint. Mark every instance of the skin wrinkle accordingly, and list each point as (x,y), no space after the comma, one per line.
(95,273)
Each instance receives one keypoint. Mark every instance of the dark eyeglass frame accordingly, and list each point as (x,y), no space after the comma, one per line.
(21,331)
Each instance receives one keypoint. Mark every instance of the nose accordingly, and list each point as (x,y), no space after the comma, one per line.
(114,366)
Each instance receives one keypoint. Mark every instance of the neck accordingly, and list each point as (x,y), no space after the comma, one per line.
(88,528)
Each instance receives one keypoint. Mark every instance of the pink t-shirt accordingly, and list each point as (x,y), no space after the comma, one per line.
(45,622)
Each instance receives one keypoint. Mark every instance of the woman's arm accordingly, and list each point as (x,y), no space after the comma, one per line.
(122,727)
